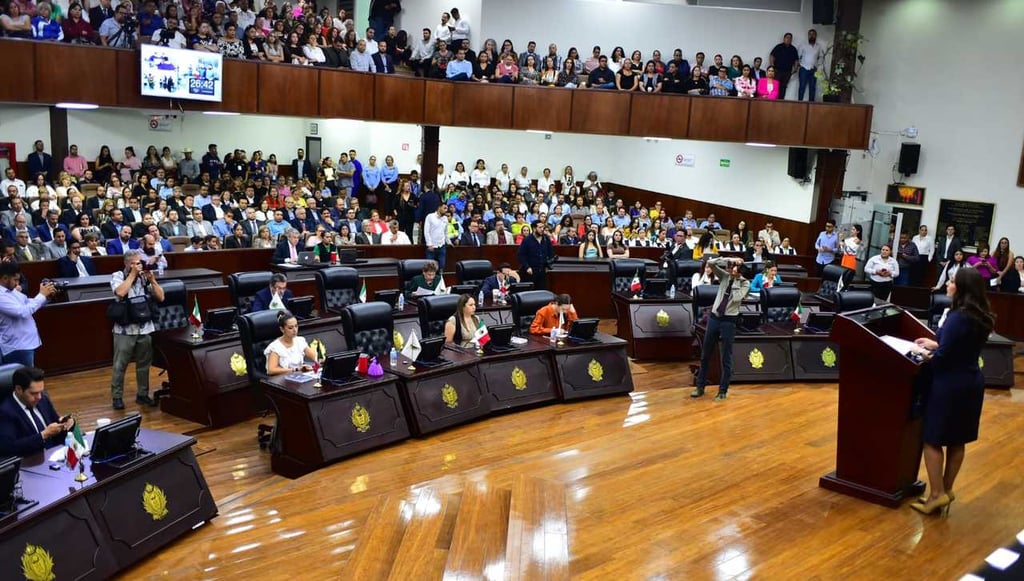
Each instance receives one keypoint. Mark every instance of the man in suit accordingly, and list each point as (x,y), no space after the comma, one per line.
(383,63)
(112,227)
(161,242)
(757,252)
(133,213)
(535,252)
(74,265)
(17,208)
(122,242)
(504,276)
(98,14)
(70,216)
(472,237)
(51,226)
(21,225)
(198,226)
(301,168)
(172,226)
(251,226)
(278,288)
(58,247)
(39,162)
(499,235)
(29,423)
(367,236)
(947,246)
(303,222)
(288,250)
(677,250)
(27,251)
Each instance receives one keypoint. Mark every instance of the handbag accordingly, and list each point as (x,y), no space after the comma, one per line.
(849,261)
(117,312)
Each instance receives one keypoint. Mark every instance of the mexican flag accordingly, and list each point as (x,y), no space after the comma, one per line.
(481,336)
(195,319)
(635,285)
(795,315)
(76,446)
(362,293)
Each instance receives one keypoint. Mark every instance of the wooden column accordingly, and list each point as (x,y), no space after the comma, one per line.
(430,146)
(828,185)
(847,20)
(58,140)
(1020,173)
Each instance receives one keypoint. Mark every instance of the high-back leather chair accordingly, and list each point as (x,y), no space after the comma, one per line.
(409,268)
(434,312)
(852,300)
(369,327)
(703,299)
(257,330)
(338,287)
(779,302)
(7,378)
(830,278)
(681,274)
(623,270)
(525,306)
(172,313)
(473,271)
(243,287)
(939,304)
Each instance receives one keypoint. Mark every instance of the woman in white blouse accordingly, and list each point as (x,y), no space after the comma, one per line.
(568,179)
(480,177)
(949,273)
(40,185)
(312,51)
(523,180)
(882,269)
(459,177)
(545,183)
(503,178)
(287,354)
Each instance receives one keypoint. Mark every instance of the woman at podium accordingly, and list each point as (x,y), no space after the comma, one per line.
(952,408)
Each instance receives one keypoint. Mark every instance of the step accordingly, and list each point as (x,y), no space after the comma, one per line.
(538,531)
(379,539)
(477,549)
(418,555)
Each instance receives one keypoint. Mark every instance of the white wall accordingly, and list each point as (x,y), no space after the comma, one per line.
(968,116)
(419,14)
(22,125)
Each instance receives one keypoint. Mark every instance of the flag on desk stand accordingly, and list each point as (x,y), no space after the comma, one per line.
(195,319)
(635,285)
(76,446)
(362,293)
(795,315)
(481,337)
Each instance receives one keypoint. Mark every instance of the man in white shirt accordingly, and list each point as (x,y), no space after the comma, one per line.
(422,55)
(371,42)
(394,235)
(460,29)
(812,57)
(435,235)
(246,17)
(443,31)
(169,36)
(12,180)
(361,60)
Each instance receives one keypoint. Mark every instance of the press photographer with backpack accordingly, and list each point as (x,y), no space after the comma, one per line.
(136,292)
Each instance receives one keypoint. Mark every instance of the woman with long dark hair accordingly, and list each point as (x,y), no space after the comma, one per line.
(952,409)
(461,327)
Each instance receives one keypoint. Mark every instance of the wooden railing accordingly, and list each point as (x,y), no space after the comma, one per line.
(36,72)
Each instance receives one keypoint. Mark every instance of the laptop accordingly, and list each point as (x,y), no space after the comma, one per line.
(387,296)
(301,307)
(582,330)
(220,321)
(656,288)
(518,287)
(307,258)
(819,322)
(430,352)
(501,339)
(339,368)
(750,323)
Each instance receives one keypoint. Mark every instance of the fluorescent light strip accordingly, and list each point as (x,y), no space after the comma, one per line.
(221,113)
(761,144)
(80,106)
(540,131)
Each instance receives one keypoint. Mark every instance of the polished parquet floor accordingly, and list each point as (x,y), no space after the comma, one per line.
(651,486)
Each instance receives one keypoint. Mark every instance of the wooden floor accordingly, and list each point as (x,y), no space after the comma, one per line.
(652,486)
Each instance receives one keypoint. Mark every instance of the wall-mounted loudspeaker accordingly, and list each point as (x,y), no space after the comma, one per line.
(798,163)
(824,12)
(910,153)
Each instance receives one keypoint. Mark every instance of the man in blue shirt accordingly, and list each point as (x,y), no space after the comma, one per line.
(826,245)
(20,339)
(459,69)
(688,221)
(621,219)
(711,223)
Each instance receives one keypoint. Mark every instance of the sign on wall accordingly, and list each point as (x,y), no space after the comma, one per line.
(973,220)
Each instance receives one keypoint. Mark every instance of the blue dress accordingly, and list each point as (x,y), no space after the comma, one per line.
(952,408)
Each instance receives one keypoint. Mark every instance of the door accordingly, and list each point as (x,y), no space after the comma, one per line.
(313,153)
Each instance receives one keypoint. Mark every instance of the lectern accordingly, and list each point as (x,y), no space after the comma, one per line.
(879,437)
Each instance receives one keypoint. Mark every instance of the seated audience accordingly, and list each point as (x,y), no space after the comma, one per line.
(985,265)
(75,264)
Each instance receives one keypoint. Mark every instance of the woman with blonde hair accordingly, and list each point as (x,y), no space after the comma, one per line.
(263,238)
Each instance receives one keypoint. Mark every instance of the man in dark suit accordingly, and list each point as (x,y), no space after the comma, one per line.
(70,216)
(278,287)
(678,249)
(112,227)
(29,423)
(250,224)
(472,237)
(383,63)
(39,162)
(100,13)
(534,254)
(288,249)
(367,236)
(123,242)
(301,168)
(172,226)
(947,246)
(74,264)
(51,226)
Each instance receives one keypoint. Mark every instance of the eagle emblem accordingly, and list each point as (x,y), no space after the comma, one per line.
(450,396)
(154,501)
(360,418)
(37,564)
(662,318)
(828,357)
(595,370)
(756,359)
(518,379)
(238,365)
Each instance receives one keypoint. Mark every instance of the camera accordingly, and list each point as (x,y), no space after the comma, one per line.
(58,284)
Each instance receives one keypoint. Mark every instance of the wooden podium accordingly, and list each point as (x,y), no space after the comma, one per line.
(879,437)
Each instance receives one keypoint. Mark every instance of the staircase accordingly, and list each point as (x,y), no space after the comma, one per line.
(457,529)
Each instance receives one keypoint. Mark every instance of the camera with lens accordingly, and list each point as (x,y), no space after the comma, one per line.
(58,284)
(166,36)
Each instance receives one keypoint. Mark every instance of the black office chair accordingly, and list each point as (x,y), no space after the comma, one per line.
(257,330)
(939,304)
(703,299)
(434,312)
(473,272)
(778,303)
(369,327)
(623,270)
(7,378)
(338,287)
(409,268)
(681,274)
(754,268)
(243,287)
(830,278)
(172,313)
(853,300)
(525,306)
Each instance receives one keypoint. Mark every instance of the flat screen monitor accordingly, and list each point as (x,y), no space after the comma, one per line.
(116,439)
(172,73)
(388,296)
(9,468)
(221,320)
(820,322)
(301,307)
(464,289)
(430,350)
(339,367)
(518,287)
(501,338)
(656,288)
(582,330)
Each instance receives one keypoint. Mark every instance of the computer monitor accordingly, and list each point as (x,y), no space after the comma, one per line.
(388,296)
(301,307)
(116,439)
(582,330)
(220,320)
(348,256)
(9,475)
(430,351)
(501,338)
(464,289)
(656,288)
(339,367)
(750,321)
(820,322)
(518,287)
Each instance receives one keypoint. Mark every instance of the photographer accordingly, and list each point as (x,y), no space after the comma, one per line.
(122,30)
(20,337)
(169,36)
(136,288)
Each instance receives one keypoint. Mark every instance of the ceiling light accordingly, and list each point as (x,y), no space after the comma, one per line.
(221,113)
(751,144)
(82,106)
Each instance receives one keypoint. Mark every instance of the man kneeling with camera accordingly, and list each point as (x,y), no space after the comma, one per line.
(136,292)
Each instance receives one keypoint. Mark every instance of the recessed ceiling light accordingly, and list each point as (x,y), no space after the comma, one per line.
(77,106)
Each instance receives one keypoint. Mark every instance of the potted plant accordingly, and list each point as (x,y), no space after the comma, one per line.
(844,66)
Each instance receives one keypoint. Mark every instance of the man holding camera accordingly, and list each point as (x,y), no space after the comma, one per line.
(121,30)
(721,329)
(136,286)
(20,337)
(170,36)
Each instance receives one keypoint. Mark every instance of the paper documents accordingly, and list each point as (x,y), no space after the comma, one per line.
(901,346)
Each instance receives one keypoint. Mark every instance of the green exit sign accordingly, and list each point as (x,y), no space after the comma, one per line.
(724,163)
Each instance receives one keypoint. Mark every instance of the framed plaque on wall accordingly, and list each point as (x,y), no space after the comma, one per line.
(973,220)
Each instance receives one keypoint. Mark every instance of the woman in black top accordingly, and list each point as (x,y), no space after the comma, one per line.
(405,210)
(483,68)
(627,80)
(238,239)
(696,84)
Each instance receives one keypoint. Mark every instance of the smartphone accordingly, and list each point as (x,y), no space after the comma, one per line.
(64,419)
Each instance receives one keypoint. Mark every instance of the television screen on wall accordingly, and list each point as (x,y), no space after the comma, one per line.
(181,74)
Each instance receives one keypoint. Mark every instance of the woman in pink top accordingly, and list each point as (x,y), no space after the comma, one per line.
(768,87)
(507,71)
(984,263)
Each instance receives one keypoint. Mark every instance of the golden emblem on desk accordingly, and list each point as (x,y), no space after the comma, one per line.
(449,396)
(981,362)
(154,501)
(595,370)
(238,364)
(398,340)
(518,378)
(828,357)
(37,564)
(662,318)
(360,418)
(756,359)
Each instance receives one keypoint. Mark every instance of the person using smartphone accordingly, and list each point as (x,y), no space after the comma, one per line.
(20,339)
(134,339)
(28,421)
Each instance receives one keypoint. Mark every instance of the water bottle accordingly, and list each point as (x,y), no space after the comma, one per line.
(672,292)
(394,357)
(159,268)
(554,334)
(401,302)
(480,299)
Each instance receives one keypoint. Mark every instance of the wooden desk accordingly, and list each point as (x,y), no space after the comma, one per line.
(208,379)
(755,357)
(655,328)
(86,288)
(100,527)
(441,397)
(591,369)
(407,320)
(318,426)
(518,378)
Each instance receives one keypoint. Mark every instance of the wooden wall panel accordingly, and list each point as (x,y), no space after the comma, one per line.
(18,71)
(838,126)
(542,108)
(600,111)
(483,105)
(346,94)
(659,115)
(779,122)
(398,99)
(68,73)
(438,97)
(718,119)
(287,90)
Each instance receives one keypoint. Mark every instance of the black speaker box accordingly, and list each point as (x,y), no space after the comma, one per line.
(910,153)
(824,12)
(798,163)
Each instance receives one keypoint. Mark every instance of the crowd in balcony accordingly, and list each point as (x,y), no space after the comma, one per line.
(300,34)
